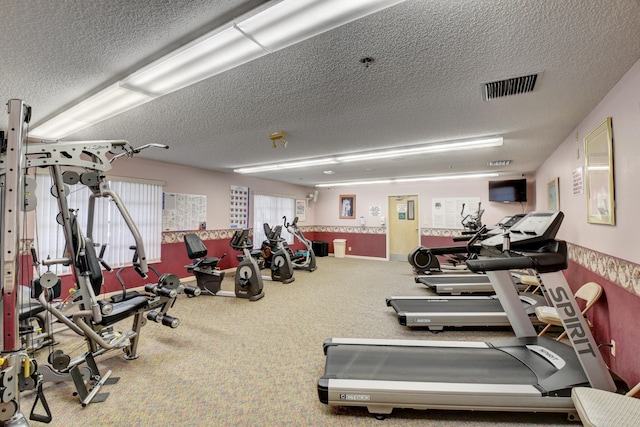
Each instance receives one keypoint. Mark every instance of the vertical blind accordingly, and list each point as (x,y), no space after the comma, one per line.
(143,201)
(270,210)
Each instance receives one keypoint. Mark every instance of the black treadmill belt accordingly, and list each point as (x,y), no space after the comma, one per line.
(446,306)
(425,364)
(443,279)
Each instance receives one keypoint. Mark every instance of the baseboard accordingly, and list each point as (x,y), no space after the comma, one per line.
(363,257)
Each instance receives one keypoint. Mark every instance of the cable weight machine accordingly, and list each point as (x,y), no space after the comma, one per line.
(94,319)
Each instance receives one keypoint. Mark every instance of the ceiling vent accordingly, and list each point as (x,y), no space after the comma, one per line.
(499,163)
(513,86)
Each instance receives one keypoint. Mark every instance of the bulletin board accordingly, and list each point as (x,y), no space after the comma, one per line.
(445,212)
(184,212)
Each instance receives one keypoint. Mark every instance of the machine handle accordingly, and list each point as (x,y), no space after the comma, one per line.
(545,262)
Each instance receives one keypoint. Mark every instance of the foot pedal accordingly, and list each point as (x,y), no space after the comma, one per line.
(111,380)
(98,398)
(88,396)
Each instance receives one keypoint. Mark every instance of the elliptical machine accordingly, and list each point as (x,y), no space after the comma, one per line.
(472,222)
(275,256)
(301,260)
(424,261)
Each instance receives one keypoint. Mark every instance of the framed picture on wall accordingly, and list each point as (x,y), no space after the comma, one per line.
(347,206)
(301,208)
(553,195)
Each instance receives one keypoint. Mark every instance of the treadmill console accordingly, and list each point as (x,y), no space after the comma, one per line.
(505,223)
(534,227)
(510,221)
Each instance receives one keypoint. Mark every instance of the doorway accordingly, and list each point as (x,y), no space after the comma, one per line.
(404,226)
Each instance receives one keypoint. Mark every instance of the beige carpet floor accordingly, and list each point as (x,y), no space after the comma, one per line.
(232,362)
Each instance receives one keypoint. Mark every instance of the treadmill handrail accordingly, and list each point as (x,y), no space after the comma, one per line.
(446,250)
(543,262)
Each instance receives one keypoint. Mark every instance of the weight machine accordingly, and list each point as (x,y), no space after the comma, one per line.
(94,319)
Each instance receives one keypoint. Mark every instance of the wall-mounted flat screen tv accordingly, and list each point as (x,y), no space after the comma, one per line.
(509,190)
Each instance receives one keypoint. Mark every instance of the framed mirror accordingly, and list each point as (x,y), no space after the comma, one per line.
(553,194)
(598,157)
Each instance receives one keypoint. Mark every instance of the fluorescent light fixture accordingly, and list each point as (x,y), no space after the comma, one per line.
(384,154)
(199,60)
(105,104)
(269,28)
(412,179)
(447,177)
(429,148)
(290,165)
(292,21)
(354,183)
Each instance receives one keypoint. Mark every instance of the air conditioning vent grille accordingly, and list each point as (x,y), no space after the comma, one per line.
(507,87)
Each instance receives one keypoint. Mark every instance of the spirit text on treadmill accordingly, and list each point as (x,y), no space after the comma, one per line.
(571,320)
(355,397)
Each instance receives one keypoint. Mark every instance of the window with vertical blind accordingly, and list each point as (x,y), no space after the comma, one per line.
(143,201)
(270,210)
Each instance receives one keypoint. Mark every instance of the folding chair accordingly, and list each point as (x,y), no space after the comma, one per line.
(590,292)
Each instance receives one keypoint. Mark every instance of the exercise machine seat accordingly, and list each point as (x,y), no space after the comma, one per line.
(124,309)
(599,408)
(197,250)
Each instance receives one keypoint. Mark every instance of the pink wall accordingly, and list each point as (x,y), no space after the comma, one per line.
(613,317)
(612,251)
(361,244)
(622,104)
(214,185)
(367,196)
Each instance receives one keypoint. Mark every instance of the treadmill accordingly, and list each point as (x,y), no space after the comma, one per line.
(437,312)
(464,283)
(526,373)
(458,284)
(425,262)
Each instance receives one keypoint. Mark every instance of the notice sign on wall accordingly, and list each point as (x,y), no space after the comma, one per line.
(448,212)
(577,181)
(183,212)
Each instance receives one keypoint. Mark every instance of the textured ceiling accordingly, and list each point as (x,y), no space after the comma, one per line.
(431,59)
